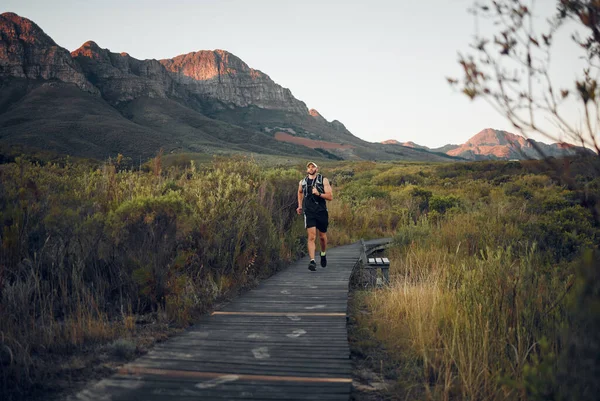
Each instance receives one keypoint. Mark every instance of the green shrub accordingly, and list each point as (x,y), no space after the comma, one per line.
(563,233)
(441,203)
(358,192)
(123,348)
(408,234)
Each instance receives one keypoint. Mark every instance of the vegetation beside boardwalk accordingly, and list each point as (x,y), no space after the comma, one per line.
(492,265)
(494,276)
(88,250)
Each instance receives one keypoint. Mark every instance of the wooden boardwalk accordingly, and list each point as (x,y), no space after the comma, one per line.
(284,340)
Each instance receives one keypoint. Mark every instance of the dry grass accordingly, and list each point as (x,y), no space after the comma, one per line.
(420,316)
(478,289)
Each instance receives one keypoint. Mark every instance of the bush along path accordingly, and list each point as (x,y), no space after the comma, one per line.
(285,339)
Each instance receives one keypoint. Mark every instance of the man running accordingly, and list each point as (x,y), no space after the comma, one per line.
(313,192)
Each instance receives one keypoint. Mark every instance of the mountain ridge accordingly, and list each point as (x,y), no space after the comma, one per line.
(492,144)
(26,51)
(96,103)
(224,76)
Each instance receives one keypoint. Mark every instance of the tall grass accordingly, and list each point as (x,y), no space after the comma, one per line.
(473,327)
(84,249)
(482,266)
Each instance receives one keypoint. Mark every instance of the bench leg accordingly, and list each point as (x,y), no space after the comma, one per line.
(385,272)
(371,277)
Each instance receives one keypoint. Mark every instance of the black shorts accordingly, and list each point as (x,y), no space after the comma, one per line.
(319,220)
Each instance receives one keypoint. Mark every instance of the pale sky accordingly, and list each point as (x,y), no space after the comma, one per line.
(377,66)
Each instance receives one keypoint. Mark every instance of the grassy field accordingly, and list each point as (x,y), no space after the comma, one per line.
(493,285)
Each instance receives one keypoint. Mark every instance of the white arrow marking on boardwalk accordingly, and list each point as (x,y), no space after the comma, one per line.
(99,392)
(258,336)
(297,333)
(285,292)
(294,318)
(200,334)
(88,395)
(315,307)
(261,353)
(219,380)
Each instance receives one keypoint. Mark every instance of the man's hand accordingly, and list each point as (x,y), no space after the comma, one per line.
(299,210)
(315,191)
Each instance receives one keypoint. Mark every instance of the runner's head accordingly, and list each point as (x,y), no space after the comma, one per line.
(311,168)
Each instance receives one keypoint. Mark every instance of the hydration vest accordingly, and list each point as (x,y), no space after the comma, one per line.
(312,202)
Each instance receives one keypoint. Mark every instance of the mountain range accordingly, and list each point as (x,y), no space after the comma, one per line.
(492,144)
(95,103)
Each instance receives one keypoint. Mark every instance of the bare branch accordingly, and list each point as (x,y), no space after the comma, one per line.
(516,80)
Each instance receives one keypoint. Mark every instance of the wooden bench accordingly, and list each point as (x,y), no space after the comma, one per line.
(374,264)
(380,263)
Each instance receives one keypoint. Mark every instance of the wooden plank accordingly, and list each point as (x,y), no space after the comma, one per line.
(252,364)
(203,387)
(311,372)
(275,354)
(150,378)
(211,387)
(292,320)
(258,313)
(220,330)
(247,363)
(339,309)
(284,341)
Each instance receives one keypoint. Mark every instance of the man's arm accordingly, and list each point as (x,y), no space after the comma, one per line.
(300,197)
(328,195)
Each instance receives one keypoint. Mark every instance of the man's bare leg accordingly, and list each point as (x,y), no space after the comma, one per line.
(323,240)
(312,236)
